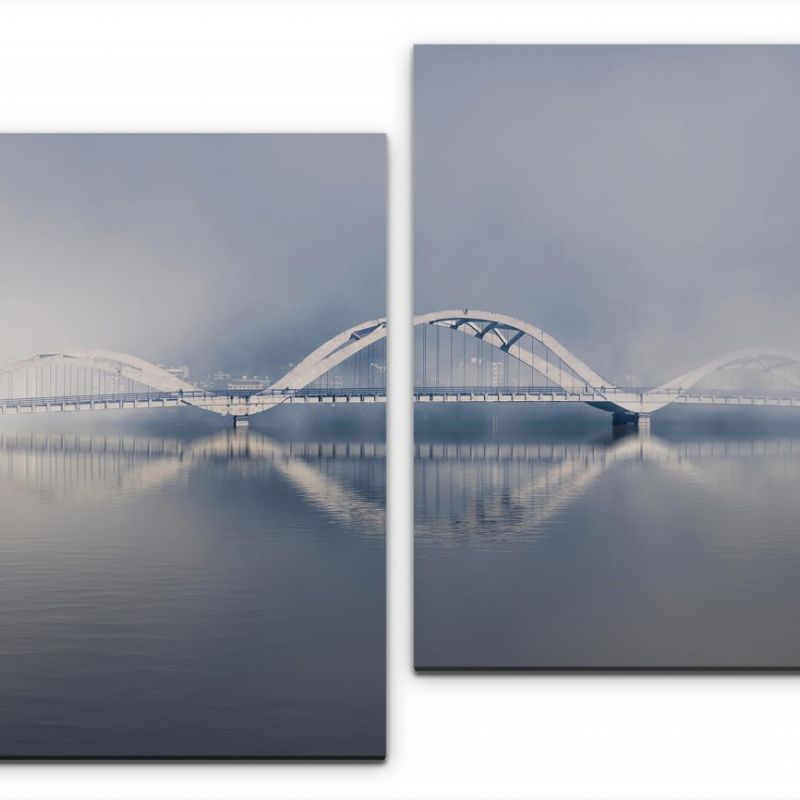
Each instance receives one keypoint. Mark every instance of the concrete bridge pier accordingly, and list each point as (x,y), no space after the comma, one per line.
(624,419)
(241,420)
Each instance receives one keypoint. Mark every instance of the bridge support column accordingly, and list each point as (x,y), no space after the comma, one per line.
(622,419)
(241,421)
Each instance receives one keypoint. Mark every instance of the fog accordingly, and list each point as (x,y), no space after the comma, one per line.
(230,252)
(638,203)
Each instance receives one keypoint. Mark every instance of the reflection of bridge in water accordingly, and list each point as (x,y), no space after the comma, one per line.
(486,493)
(84,467)
(461,356)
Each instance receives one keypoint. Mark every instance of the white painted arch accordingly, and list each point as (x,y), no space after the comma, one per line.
(498,330)
(330,354)
(504,332)
(769,360)
(120,364)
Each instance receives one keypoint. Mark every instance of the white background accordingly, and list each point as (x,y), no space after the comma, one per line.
(346,66)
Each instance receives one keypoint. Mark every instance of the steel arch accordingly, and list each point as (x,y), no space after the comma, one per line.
(121,364)
(768,359)
(330,354)
(498,330)
(504,333)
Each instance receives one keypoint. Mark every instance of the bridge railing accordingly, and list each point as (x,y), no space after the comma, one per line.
(611,392)
(320,391)
(765,394)
(608,392)
(487,389)
(71,399)
(239,394)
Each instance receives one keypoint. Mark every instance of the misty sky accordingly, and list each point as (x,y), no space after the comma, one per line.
(220,251)
(639,203)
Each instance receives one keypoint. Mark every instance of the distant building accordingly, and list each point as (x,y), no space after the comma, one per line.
(498,373)
(247,384)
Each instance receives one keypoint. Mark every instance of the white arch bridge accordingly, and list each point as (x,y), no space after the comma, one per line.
(461,356)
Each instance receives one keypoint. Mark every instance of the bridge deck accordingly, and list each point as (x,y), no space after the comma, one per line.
(548,394)
(254,403)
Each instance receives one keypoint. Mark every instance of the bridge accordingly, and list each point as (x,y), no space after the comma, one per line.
(100,380)
(482,356)
(461,356)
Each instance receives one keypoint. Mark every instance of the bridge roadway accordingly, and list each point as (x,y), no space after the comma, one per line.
(235,404)
(242,405)
(641,400)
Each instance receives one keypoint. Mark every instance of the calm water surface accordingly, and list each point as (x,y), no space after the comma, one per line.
(203,595)
(637,551)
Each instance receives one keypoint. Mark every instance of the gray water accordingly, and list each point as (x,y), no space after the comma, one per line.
(201,594)
(595,551)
